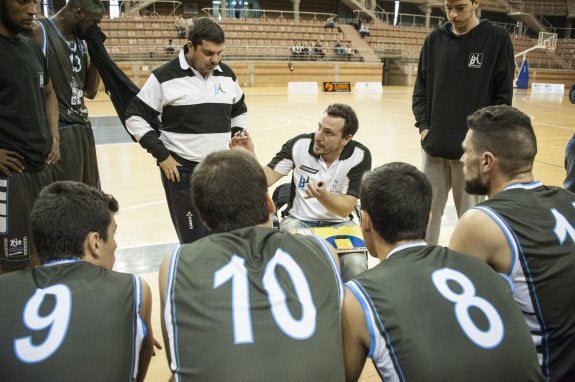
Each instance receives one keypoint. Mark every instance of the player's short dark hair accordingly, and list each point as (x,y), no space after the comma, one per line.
(507,133)
(340,110)
(208,29)
(90,6)
(229,190)
(397,197)
(64,213)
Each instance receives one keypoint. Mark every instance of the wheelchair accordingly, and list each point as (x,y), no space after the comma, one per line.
(346,239)
(280,197)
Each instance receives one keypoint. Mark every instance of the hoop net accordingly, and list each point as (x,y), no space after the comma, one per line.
(547,40)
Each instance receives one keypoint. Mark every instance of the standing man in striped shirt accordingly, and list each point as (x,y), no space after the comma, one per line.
(198,101)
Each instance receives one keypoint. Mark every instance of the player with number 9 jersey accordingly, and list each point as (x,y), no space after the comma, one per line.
(70,320)
(253,304)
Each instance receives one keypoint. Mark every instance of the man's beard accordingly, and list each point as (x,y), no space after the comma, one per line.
(316,151)
(9,24)
(476,187)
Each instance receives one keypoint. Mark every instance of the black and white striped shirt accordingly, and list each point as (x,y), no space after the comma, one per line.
(342,177)
(195,113)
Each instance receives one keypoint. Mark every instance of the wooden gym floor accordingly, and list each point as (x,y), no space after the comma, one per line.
(145,233)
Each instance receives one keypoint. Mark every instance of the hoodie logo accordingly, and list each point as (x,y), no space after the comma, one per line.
(475,60)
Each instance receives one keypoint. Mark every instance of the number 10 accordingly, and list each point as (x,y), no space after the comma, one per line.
(235,270)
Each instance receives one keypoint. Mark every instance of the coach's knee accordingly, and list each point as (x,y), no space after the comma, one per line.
(352,264)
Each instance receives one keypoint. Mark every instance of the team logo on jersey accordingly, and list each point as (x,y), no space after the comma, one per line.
(335,187)
(308,169)
(15,243)
(475,60)
(189,215)
(41,79)
(77,95)
(15,246)
(302,182)
(218,89)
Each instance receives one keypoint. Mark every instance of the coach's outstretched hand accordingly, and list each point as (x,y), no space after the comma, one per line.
(242,141)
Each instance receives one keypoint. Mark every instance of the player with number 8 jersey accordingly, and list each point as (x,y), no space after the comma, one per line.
(427,313)
(442,316)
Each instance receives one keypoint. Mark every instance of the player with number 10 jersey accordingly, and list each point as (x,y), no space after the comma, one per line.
(254,304)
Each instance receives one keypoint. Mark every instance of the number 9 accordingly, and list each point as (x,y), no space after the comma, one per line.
(57,321)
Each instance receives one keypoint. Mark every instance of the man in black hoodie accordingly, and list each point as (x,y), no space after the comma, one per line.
(464,65)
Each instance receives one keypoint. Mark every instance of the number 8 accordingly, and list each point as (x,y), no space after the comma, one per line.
(57,320)
(489,338)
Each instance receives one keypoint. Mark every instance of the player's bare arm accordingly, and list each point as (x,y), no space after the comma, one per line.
(341,205)
(52,115)
(162,284)
(355,336)
(37,35)
(92,82)
(51,102)
(478,235)
(148,345)
(272,176)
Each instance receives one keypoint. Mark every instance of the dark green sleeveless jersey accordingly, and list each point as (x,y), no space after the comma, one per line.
(70,321)
(254,304)
(68,66)
(539,224)
(437,315)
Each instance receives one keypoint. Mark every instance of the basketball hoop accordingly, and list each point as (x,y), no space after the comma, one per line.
(547,40)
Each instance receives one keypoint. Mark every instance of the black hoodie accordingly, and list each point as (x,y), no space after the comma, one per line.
(118,86)
(456,76)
